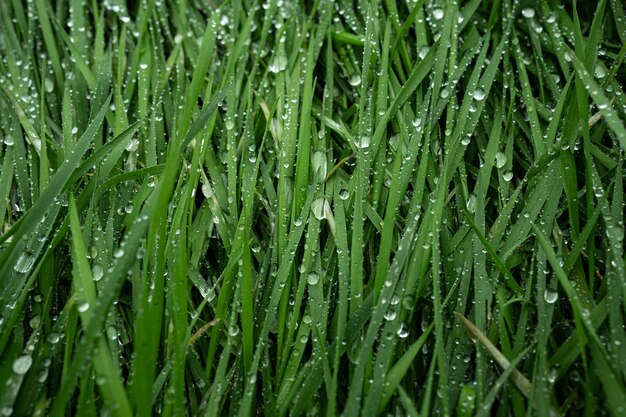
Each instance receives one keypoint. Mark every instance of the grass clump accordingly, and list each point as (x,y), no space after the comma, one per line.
(312,208)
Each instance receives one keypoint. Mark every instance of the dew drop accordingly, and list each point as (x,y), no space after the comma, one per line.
(98,272)
(22,364)
(312,278)
(500,159)
(83,307)
(479,94)
(550,296)
(24,263)
(355,79)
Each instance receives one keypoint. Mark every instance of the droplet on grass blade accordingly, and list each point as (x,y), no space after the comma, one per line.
(24,263)
(355,79)
(312,278)
(500,159)
(22,364)
(478,94)
(528,12)
(550,296)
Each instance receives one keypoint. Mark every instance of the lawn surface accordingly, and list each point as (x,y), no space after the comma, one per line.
(288,208)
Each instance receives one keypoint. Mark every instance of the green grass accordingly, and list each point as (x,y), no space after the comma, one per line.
(290,208)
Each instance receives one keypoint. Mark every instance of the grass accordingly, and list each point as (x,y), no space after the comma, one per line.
(312,208)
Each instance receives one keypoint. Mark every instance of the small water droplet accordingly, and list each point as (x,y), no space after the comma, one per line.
(528,12)
(507,176)
(344,194)
(83,307)
(438,14)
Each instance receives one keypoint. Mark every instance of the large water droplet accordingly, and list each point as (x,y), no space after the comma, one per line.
(362,142)
(98,272)
(318,208)
(500,159)
(403,331)
(312,278)
(355,79)
(528,12)
(24,263)
(22,364)
(319,164)
(550,296)
(479,94)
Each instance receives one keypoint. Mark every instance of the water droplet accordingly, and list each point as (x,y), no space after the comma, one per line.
(98,272)
(444,93)
(500,159)
(528,12)
(550,296)
(8,140)
(312,278)
(344,194)
(49,85)
(390,315)
(403,331)
(417,122)
(466,140)
(230,124)
(278,64)
(471,204)
(319,165)
(355,79)
(507,176)
(438,14)
(297,222)
(362,142)
(118,253)
(22,364)
(83,307)
(599,72)
(318,208)
(307,319)
(233,331)
(178,38)
(479,94)
(24,263)
(143,66)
